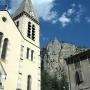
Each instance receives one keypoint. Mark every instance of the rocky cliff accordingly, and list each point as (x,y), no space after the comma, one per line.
(53,56)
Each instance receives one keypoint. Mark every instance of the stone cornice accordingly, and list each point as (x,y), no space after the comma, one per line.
(25,13)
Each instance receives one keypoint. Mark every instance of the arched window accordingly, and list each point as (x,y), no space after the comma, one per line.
(29,82)
(1,35)
(78,77)
(4,49)
(29,30)
(33,32)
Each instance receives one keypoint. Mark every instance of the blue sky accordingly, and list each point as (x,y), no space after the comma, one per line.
(66,20)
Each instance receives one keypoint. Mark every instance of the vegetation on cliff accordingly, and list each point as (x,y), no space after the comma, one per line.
(52,83)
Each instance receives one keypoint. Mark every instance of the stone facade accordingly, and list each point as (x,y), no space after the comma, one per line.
(79,71)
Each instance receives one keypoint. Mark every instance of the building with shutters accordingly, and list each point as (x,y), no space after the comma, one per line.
(79,71)
(20,49)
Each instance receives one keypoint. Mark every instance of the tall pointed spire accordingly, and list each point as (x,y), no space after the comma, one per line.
(26,6)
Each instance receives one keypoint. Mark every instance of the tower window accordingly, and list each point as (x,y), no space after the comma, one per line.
(1,35)
(17,24)
(33,32)
(3,55)
(29,30)
(28,53)
(29,82)
(32,52)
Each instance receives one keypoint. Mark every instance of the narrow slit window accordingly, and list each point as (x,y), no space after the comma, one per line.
(33,32)
(17,24)
(4,49)
(28,53)
(29,30)
(32,54)
(1,36)
(29,82)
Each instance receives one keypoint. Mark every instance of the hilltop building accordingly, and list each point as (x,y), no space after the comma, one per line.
(20,49)
(79,71)
(53,55)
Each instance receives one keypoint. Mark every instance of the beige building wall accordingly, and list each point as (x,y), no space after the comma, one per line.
(11,63)
(23,27)
(31,67)
(16,65)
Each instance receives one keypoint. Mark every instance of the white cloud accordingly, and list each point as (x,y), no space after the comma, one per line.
(64,20)
(70,11)
(79,13)
(54,21)
(73,5)
(46,12)
(71,15)
(87,19)
(44,8)
(14,5)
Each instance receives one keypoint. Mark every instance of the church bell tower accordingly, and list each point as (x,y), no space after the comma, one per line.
(28,25)
(27,22)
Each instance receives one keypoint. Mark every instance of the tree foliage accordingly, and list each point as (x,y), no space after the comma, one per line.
(52,83)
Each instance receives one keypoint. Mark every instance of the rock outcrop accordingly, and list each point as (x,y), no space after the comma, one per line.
(53,56)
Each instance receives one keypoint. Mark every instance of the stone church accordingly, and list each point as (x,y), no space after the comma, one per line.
(20,49)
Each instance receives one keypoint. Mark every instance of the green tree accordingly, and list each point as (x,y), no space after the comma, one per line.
(46,81)
(63,84)
(52,83)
